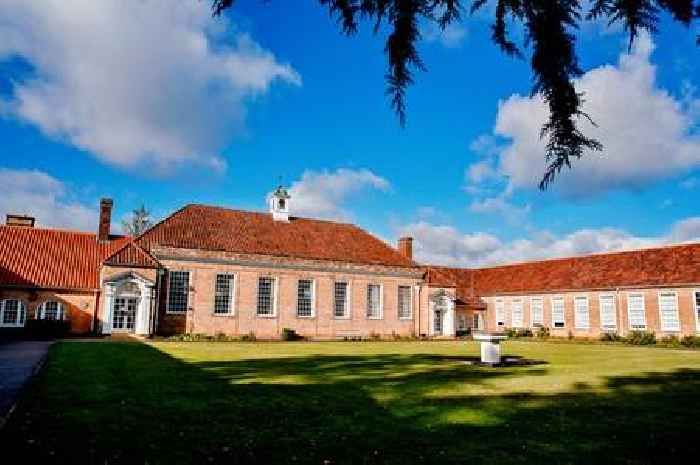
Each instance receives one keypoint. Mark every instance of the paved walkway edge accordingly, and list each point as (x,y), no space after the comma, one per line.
(37,368)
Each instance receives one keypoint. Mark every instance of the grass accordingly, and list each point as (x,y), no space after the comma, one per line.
(328,403)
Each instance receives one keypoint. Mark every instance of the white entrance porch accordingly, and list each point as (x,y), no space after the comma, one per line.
(127,305)
(442,314)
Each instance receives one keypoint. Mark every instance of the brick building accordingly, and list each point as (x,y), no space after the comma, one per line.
(213,270)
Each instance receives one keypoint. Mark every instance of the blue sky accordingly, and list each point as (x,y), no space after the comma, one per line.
(160,104)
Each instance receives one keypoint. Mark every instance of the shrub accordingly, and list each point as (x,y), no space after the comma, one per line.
(671,341)
(511,332)
(543,332)
(523,333)
(289,334)
(641,338)
(250,337)
(463,332)
(374,336)
(47,329)
(691,341)
(611,337)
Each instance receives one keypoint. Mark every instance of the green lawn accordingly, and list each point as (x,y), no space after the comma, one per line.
(364,402)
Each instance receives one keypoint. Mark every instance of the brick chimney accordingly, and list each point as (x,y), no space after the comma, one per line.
(105,220)
(406,247)
(19,220)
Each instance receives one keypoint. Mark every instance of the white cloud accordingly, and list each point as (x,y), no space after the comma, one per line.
(44,197)
(324,194)
(690,183)
(648,134)
(451,37)
(445,245)
(502,206)
(135,82)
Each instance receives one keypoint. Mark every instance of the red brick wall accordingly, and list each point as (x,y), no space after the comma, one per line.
(201,318)
(686,311)
(79,306)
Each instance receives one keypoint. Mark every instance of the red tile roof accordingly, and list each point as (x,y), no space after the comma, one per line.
(672,265)
(220,229)
(52,258)
(131,254)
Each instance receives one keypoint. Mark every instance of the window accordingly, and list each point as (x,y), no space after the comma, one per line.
(581,320)
(697,310)
(340,300)
(266,296)
(178,291)
(305,298)
(668,309)
(537,311)
(557,312)
(50,310)
(223,294)
(476,323)
(516,308)
(374,301)
(608,313)
(405,302)
(461,322)
(500,312)
(12,313)
(636,312)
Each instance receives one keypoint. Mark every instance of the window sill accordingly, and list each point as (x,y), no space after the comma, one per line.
(168,312)
(406,318)
(341,318)
(265,316)
(223,315)
(375,318)
(306,317)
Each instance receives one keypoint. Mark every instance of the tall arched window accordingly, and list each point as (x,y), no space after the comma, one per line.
(12,313)
(50,310)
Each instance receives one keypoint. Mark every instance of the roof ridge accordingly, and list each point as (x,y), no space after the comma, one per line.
(258,212)
(571,257)
(46,229)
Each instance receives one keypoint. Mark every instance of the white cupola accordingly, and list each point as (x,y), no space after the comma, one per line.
(279,204)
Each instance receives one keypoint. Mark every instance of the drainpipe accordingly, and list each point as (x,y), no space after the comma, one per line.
(417,333)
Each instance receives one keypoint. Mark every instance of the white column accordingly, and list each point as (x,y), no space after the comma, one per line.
(144,309)
(448,326)
(107,306)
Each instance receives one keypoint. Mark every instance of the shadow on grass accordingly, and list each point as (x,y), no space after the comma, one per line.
(130,403)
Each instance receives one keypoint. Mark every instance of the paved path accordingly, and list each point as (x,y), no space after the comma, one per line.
(18,362)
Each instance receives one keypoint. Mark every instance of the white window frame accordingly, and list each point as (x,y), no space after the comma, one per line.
(410,302)
(644,311)
(313,299)
(232,297)
(519,301)
(539,299)
(696,309)
(677,329)
(187,288)
(603,327)
(499,305)
(21,313)
(563,311)
(41,309)
(578,324)
(275,296)
(348,300)
(381,302)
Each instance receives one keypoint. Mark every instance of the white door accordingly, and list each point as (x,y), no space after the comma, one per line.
(437,322)
(124,314)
